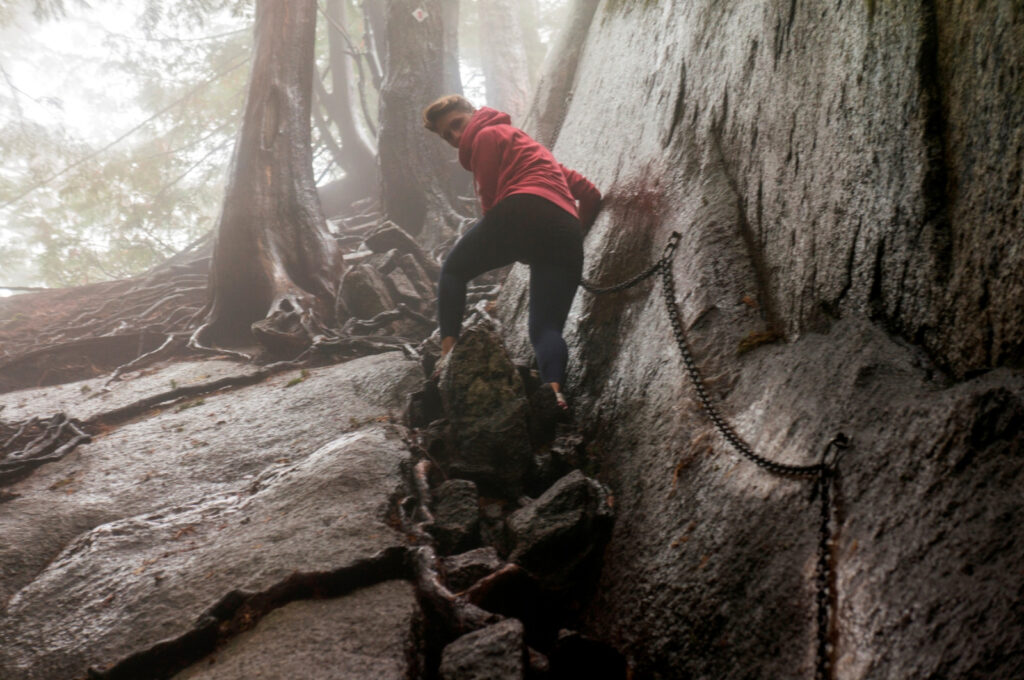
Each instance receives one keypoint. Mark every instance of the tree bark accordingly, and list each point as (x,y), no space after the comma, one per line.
(273,258)
(354,153)
(503,58)
(374,25)
(358,149)
(416,168)
(529,22)
(558,75)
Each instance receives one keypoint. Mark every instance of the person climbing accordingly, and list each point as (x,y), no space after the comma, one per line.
(530,215)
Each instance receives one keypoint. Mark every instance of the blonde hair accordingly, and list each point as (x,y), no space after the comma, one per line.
(443,105)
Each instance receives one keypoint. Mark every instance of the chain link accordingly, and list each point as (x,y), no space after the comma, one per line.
(823,596)
(591,287)
(666,255)
(824,471)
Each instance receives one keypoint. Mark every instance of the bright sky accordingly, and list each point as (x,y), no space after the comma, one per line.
(61,70)
(56,74)
(64,73)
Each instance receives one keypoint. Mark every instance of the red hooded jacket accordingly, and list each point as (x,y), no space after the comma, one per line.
(505,160)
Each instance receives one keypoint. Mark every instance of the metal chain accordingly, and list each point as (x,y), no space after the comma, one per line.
(590,287)
(824,470)
(666,256)
(823,660)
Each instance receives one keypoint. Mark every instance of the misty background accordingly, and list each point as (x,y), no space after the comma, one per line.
(117,121)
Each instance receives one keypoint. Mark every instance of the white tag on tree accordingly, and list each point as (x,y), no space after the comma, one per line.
(420,14)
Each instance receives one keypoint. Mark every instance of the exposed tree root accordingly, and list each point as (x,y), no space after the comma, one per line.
(455,614)
(173,344)
(290,327)
(352,346)
(59,336)
(124,413)
(401,311)
(74,359)
(483,589)
(195,343)
(62,335)
(41,442)
(421,473)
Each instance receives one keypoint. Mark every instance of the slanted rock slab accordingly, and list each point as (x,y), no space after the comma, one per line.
(84,399)
(178,456)
(365,635)
(417,275)
(401,288)
(493,653)
(127,585)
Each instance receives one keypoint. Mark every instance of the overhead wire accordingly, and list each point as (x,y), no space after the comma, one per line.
(125,135)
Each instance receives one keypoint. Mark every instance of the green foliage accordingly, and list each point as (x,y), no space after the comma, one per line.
(191,404)
(42,10)
(77,207)
(303,374)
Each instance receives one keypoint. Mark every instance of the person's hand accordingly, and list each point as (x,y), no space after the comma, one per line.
(588,214)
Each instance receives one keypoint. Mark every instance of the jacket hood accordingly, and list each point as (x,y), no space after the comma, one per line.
(484,117)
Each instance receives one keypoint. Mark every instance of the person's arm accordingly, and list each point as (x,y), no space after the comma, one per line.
(485,162)
(587,194)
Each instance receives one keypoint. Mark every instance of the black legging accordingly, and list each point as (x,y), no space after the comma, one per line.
(529,229)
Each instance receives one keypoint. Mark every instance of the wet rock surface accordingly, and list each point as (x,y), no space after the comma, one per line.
(697,521)
(493,653)
(188,451)
(483,400)
(128,540)
(367,634)
(456,515)
(86,398)
(465,569)
(363,293)
(254,542)
(555,534)
(545,413)
(539,556)
(128,584)
(765,136)
(846,179)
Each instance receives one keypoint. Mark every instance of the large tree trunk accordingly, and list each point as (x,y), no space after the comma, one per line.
(503,57)
(273,255)
(416,167)
(557,80)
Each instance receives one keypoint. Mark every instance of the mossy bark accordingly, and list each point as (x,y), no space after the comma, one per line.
(273,258)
